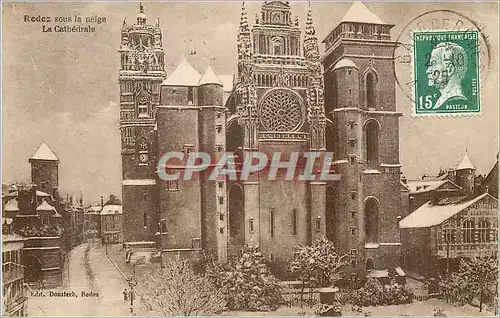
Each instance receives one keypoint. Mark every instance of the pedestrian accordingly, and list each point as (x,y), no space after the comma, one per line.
(125,294)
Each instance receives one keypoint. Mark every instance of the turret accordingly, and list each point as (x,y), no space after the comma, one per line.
(465,174)
(346,82)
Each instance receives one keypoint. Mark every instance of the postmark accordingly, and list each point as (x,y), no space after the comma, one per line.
(437,20)
(446,72)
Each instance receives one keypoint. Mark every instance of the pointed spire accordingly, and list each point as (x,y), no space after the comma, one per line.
(310,31)
(124,25)
(466,163)
(244,18)
(141,16)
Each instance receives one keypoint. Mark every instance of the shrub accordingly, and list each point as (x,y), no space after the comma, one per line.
(176,290)
(318,264)
(246,281)
(375,294)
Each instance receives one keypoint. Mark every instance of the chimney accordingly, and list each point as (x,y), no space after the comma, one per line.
(102,201)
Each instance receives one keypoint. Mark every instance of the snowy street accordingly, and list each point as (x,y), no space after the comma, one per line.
(92,287)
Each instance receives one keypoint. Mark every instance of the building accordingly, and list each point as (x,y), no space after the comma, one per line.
(363,131)
(92,221)
(448,222)
(111,221)
(36,218)
(73,222)
(490,182)
(14,298)
(279,103)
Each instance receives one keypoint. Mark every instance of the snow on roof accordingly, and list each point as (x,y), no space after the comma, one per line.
(345,62)
(12,206)
(419,186)
(434,214)
(358,12)
(111,209)
(210,77)
(227,82)
(183,75)
(466,163)
(44,153)
(42,194)
(45,206)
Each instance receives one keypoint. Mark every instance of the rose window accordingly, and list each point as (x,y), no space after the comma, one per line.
(281,111)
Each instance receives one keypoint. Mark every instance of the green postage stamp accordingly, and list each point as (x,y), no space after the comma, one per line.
(446,71)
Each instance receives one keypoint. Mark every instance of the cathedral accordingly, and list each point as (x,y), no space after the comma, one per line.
(286,98)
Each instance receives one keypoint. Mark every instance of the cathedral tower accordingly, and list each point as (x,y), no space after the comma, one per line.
(279,110)
(141,73)
(363,130)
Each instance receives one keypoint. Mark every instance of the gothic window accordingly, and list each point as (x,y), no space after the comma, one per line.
(142,106)
(371,90)
(128,137)
(468,231)
(281,111)
(318,224)
(145,219)
(371,137)
(369,264)
(278,47)
(484,231)
(371,220)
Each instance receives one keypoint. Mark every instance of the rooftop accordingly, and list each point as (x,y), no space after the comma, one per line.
(44,153)
(345,62)
(45,206)
(420,186)
(210,77)
(111,209)
(466,163)
(358,12)
(434,214)
(184,75)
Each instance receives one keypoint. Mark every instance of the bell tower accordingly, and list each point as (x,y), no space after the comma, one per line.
(360,102)
(141,73)
(279,111)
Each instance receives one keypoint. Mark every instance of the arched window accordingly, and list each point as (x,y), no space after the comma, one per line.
(449,236)
(371,89)
(278,47)
(370,264)
(371,220)
(236,216)
(468,231)
(484,231)
(371,137)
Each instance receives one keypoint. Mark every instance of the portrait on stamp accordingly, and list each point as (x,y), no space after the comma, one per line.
(446,72)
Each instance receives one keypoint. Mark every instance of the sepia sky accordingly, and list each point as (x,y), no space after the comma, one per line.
(61,88)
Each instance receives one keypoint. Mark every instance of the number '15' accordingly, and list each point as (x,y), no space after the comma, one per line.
(427,104)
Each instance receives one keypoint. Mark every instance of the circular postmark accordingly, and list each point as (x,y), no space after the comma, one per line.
(442,20)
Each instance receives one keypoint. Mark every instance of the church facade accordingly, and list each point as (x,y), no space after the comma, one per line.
(286,98)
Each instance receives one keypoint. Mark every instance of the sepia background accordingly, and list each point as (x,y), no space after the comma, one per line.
(61,88)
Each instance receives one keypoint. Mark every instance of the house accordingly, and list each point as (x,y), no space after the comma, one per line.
(442,232)
(14,299)
(112,221)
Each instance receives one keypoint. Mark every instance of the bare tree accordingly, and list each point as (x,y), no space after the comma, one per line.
(176,290)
